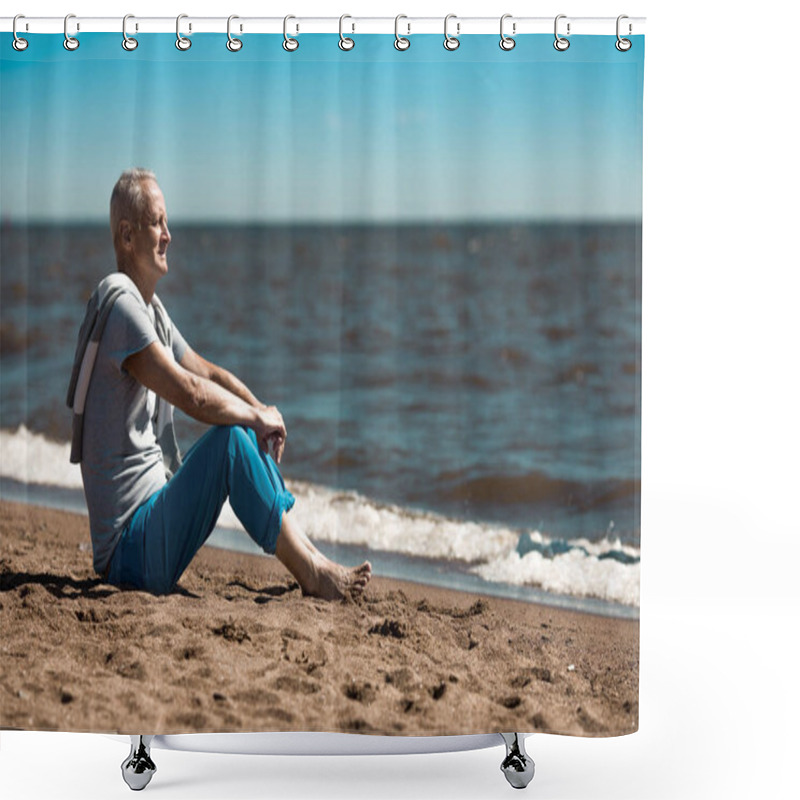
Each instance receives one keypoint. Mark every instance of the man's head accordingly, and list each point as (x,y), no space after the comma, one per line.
(138,218)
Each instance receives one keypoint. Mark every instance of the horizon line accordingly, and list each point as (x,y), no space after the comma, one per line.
(326,222)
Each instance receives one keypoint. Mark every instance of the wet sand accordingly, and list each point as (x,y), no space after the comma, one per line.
(238,648)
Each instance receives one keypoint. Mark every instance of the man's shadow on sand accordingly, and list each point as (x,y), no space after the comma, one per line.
(65,587)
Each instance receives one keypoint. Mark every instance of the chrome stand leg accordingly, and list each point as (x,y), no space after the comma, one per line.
(517,766)
(138,768)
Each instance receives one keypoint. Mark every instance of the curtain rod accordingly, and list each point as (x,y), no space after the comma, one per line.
(513,26)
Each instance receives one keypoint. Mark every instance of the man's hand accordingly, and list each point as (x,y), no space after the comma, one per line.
(270,431)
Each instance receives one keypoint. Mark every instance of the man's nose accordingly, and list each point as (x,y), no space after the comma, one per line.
(165,234)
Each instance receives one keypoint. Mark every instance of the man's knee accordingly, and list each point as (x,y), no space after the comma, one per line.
(231,435)
(239,439)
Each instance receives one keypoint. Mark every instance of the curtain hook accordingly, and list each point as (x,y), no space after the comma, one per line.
(623,45)
(451,42)
(345,42)
(233,44)
(561,44)
(70,42)
(290,44)
(128,42)
(18,44)
(507,42)
(400,42)
(181,42)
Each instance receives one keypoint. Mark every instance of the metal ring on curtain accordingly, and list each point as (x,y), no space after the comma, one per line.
(290,44)
(507,42)
(345,42)
(70,42)
(128,42)
(623,45)
(18,43)
(233,44)
(181,42)
(561,44)
(400,42)
(451,42)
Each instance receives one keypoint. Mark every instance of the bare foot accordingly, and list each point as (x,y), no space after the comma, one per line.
(335,582)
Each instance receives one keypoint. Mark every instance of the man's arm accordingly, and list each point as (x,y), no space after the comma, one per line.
(199,366)
(204,399)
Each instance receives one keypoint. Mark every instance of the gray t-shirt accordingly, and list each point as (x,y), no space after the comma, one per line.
(122,463)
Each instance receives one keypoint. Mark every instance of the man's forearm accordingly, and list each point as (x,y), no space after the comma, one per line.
(229,382)
(212,403)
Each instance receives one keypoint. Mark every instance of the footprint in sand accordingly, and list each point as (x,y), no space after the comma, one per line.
(95,616)
(361,692)
(526,678)
(437,692)
(404,679)
(389,627)
(189,653)
(588,722)
(355,725)
(539,722)
(231,632)
(125,664)
(311,656)
(293,685)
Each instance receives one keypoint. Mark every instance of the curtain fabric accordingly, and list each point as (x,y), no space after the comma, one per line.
(430,262)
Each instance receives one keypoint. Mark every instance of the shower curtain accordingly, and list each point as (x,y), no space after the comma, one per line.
(428,259)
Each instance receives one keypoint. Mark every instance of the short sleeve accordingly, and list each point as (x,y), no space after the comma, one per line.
(128,330)
(179,345)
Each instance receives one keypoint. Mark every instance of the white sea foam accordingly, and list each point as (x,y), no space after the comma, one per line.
(32,458)
(340,517)
(573,573)
(349,518)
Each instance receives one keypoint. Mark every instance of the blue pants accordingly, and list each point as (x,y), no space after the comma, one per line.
(168,529)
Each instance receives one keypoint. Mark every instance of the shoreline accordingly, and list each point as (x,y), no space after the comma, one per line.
(238,648)
(425,570)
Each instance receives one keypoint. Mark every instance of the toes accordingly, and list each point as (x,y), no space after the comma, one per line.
(365,569)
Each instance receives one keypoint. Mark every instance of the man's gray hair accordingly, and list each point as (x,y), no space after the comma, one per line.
(128,200)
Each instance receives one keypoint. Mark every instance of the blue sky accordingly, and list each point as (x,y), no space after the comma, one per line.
(322,135)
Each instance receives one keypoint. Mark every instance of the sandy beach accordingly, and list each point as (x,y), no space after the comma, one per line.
(238,648)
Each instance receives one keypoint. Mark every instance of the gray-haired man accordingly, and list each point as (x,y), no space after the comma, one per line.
(131,367)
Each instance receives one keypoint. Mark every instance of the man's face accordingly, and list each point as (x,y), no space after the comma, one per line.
(151,239)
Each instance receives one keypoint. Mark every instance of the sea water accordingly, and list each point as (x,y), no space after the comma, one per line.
(462,401)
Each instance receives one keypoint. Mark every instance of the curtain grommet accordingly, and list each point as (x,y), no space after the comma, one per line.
(128,42)
(181,42)
(622,44)
(401,43)
(451,43)
(507,42)
(345,42)
(290,44)
(233,44)
(70,42)
(18,43)
(561,43)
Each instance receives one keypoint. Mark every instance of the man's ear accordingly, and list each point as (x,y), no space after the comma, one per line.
(125,232)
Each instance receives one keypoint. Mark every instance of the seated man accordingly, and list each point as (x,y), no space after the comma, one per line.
(132,366)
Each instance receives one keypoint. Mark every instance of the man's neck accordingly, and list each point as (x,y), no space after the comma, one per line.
(146,288)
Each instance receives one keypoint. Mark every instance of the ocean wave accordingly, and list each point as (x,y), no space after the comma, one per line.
(349,518)
(537,487)
(607,569)
(33,458)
